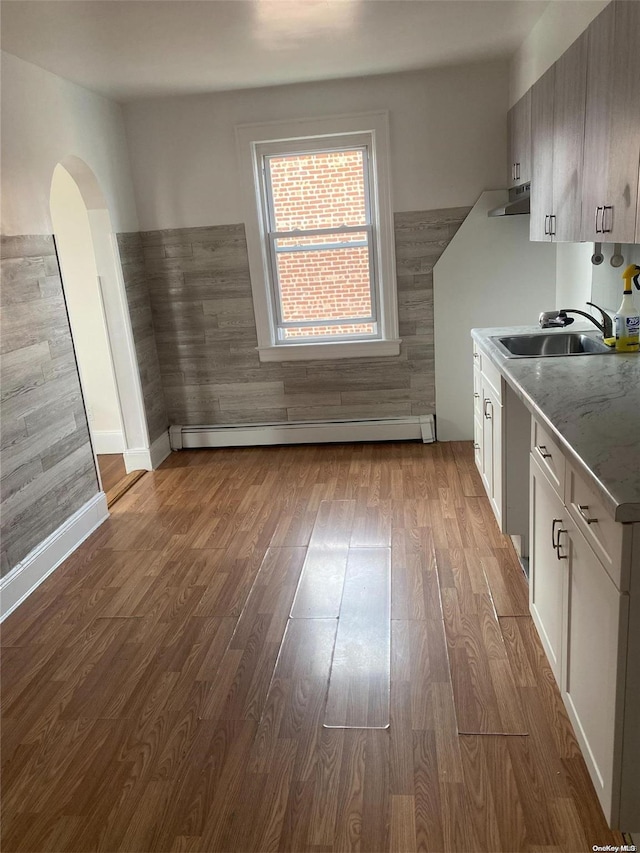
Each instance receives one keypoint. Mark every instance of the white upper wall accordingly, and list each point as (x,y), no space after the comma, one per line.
(447,128)
(559,26)
(44,120)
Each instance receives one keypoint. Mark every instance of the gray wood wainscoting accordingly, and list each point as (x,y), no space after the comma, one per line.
(200,290)
(134,275)
(47,465)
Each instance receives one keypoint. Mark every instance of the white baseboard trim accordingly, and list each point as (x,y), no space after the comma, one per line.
(137,459)
(107,441)
(319,432)
(47,556)
(148,458)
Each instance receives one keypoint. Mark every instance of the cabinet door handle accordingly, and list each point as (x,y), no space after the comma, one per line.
(560,556)
(476,355)
(476,446)
(542,450)
(555,540)
(552,224)
(583,510)
(546,224)
(487,402)
(598,230)
(517,171)
(604,216)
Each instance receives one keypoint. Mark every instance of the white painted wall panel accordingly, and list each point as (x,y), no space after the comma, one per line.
(489,275)
(44,120)
(447,129)
(559,26)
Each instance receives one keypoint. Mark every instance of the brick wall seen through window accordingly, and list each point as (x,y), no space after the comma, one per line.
(322,190)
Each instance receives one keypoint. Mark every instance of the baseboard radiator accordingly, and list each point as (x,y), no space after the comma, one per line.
(417,428)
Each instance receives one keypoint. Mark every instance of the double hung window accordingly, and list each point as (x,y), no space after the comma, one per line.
(321,256)
(321,244)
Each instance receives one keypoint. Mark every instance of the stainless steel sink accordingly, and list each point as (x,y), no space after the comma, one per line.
(537,346)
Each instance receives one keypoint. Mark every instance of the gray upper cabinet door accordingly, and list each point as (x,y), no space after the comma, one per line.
(542,94)
(568,141)
(612,126)
(519,132)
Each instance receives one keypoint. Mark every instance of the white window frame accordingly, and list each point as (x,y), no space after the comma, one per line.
(254,141)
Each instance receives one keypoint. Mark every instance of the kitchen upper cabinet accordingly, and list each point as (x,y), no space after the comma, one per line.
(568,141)
(542,94)
(519,133)
(612,126)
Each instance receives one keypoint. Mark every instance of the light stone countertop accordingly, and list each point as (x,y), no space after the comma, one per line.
(591,403)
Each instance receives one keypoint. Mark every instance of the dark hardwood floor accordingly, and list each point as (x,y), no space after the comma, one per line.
(166,688)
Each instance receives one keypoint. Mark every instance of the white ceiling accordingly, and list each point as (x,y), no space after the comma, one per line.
(129,49)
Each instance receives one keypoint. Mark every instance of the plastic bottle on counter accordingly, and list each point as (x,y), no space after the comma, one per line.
(627,319)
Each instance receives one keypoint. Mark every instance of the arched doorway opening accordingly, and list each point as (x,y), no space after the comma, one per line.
(99,320)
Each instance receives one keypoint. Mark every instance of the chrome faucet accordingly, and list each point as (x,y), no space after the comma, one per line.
(551,319)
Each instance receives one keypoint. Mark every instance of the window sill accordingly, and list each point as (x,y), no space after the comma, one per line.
(329,350)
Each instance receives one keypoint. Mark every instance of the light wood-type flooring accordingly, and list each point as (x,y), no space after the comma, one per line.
(113,474)
(112,469)
(159,692)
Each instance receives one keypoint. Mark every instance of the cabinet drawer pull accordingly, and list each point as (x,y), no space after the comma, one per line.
(583,510)
(486,410)
(542,450)
(604,217)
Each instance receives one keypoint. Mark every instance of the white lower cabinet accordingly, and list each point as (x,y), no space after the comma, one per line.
(547,566)
(491,471)
(501,429)
(584,581)
(582,619)
(594,664)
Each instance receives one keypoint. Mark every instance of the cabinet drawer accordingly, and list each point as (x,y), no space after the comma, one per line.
(491,374)
(593,520)
(548,455)
(477,356)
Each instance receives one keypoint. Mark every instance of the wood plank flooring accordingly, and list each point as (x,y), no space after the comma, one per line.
(158,696)
(112,469)
(115,480)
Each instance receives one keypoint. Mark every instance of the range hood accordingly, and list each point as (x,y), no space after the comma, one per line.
(519,202)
